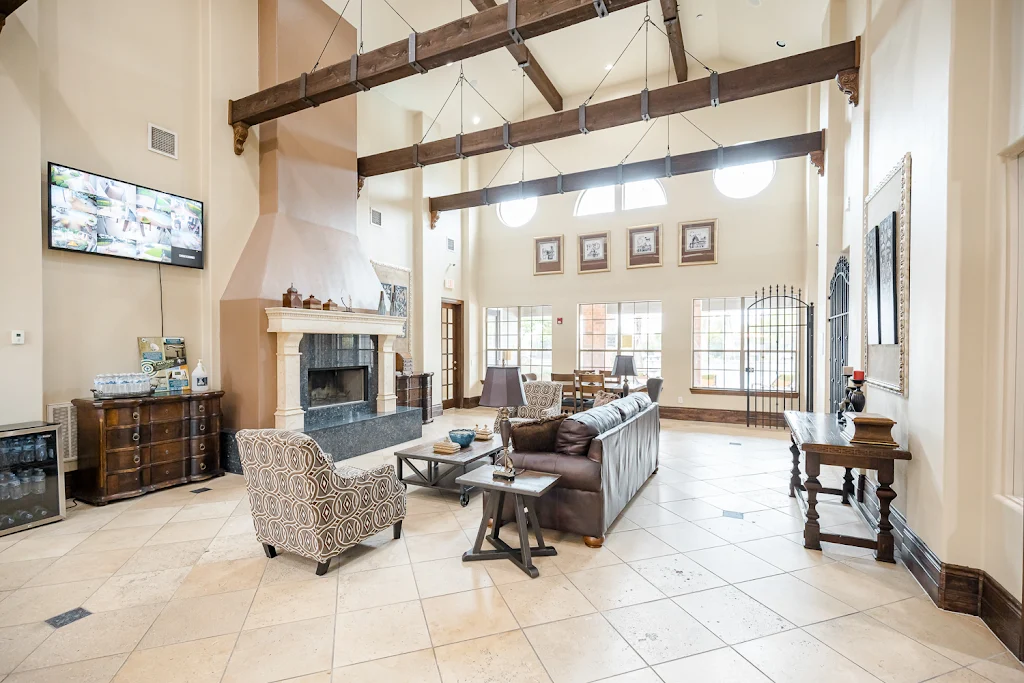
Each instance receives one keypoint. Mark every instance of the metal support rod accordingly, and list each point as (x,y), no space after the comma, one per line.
(505,134)
(583,118)
(302,91)
(601,9)
(512,30)
(354,73)
(412,55)
(714,88)
(645,110)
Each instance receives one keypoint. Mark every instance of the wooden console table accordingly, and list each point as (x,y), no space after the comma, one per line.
(821,438)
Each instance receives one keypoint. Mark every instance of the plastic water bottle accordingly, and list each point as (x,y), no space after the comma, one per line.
(41,449)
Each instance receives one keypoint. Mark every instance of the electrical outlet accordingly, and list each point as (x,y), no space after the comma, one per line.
(679,399)
(17,336)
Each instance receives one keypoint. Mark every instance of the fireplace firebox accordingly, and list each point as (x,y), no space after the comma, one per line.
(334,386)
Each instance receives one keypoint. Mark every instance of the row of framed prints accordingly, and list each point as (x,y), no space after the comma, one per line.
(698,245)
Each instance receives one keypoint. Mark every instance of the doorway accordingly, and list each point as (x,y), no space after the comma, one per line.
(451,354)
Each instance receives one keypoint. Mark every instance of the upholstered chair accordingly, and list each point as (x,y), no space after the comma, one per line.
(543,399)
(305,504)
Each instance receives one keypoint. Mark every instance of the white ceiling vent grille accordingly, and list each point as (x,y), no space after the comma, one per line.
(376,218)
(163,141)
(66,416)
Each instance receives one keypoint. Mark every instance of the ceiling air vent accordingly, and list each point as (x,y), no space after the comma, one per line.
(376,218)
(451,244)
(163,141)
(66,416)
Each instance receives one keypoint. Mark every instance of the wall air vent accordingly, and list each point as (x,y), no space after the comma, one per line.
(66,416)
(163,141)
(451,244)
(376,218)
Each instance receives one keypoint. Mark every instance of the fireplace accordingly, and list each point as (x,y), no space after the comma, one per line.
(333,386)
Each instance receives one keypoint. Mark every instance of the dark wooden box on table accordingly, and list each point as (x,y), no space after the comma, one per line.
(130,446)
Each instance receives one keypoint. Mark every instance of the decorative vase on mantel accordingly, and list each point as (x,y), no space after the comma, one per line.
(382,305)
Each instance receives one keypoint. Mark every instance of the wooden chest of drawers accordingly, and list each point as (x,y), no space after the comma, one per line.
(128,447)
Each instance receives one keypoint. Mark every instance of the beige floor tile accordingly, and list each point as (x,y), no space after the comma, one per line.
(236,526)
(650,516)
(784,554)
(152,558)
(687,536)
(151,517)
(98,635)
(502,573)
(852,586)
(636,545)
(638,676)
(662,493)
(116,539)
(86,520)
(219,495)
(615,586)
(178,532)
(450,575)
(574,556)
(221,577)
(131,590)
(376,552)
(662,631)
(582,649)
(721,666)
(734,530)
(18,642)
(960,676)
(834,551)
(795,600)
(425,505)
(700,489)
(192,513)
(895,576)
(26,605)
(431,523)
(225,548)
(796,657)
(622,524)
(280,603)
(438,546)
(545,599)
(733,564)
(200,661)
(676,575)
(733,502)
(413,667)
(878,649)
(775,521)
(375,588)
(288,567)
(196,618)
(502,658)
(379,632)
(319,677)
(962,638)
(1000,669)
(280,652)
(772,499)
(472,614)
(732,615)
(243,508)
(100,670)
(101,565)
(41,548)
(16,574)
(692,509)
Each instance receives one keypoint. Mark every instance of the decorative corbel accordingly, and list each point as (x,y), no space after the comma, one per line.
(241,134)
(818,161)
(849,84)
(3,19)
(434,215)
(359,185)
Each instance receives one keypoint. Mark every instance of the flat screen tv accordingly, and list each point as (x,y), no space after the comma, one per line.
(100,215)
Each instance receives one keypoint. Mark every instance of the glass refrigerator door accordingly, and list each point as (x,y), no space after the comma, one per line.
(31,490)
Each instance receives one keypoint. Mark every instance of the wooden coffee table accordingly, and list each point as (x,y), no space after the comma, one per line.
(526,487)
(441,470)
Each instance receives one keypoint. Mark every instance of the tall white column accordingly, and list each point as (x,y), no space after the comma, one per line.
(387,401)
(289,414)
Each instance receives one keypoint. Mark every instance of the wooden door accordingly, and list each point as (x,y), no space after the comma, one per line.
(451,354)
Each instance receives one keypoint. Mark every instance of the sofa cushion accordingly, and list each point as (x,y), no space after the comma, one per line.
(627,407)
(642,399)
(577,473)
(536,435)
(577,431)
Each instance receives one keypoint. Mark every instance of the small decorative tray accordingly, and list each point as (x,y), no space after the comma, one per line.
(100,396)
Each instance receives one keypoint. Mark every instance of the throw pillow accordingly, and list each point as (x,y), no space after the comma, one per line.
(603,398)
(537,435)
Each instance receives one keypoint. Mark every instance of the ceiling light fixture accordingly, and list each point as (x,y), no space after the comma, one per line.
(780,43)
(608,67)
(476,120)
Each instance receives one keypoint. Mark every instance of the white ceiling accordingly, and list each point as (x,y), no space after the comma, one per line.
(728,33)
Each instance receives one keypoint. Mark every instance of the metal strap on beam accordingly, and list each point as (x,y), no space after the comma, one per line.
(412,55)
(721,156)
(583,118)
(521,189)
(354,73)
(645,112)
(714,88)
(486,203)
(458,146)
(302,91)
(512,30)
(559,180)
(601,9)
(668,165)
(416,156)
(619,174)
(526,64)
(506,130)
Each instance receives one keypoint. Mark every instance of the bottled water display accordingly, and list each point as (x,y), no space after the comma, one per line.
(121,384)
(30,482)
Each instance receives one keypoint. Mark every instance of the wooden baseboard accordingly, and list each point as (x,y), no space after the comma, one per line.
(734,417)
(436,410)
(470,402)
(951,587)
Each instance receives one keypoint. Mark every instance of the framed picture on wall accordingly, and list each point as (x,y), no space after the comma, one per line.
(593,252)
(698,242)
(547,255)
(644,246)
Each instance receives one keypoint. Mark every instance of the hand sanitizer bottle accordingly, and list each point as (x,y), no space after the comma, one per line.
(200,380)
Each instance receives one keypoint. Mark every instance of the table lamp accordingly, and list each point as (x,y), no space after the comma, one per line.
(624,367)
(503,389)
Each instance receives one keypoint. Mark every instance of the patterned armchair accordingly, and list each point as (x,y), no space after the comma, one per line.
(543,399)
(301,502)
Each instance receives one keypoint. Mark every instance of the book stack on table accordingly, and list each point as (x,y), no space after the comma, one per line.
(446,447)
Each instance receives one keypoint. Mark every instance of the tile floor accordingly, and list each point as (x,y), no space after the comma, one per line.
(179,590)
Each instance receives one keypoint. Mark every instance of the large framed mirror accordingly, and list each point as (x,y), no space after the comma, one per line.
(886,275)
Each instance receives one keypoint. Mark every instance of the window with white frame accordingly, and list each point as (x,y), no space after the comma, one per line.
(635,195)
(630,328)
(520,335)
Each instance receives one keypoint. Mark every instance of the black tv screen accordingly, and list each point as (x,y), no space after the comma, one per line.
(99,215)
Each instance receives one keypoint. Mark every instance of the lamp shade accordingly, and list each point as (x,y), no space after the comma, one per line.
(624,366)
(503,388)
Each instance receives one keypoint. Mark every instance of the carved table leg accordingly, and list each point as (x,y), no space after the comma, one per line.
(812,530)
(848,489)
(886,543)
(794,479)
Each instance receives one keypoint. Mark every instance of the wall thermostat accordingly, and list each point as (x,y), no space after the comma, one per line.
(17,336)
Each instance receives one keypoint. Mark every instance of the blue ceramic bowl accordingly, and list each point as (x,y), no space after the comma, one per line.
(463,437)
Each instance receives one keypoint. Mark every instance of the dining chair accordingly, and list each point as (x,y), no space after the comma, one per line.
(570,401)
(590,385)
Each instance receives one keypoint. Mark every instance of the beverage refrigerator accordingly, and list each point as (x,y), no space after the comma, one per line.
(31,476)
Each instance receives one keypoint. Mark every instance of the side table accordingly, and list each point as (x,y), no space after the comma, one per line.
(526,487)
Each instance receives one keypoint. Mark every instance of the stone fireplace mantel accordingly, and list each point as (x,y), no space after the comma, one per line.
(290,324)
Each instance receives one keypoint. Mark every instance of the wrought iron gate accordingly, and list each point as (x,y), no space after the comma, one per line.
(838,331)
(779,355)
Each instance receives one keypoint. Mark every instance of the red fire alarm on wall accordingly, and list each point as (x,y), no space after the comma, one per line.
(558,321)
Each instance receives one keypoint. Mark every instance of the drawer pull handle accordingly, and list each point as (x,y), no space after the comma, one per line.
(202,408)
(135,436)
(137,459)
(135,415)
(202,446)
(202,466)
(202,428)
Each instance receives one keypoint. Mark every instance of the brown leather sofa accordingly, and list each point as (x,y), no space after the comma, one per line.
(604,456)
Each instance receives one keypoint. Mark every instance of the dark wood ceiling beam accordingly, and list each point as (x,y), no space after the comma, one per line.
(670,10)
(681,164)
(7,8)
(461,39)
(528,63)
(782,74)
